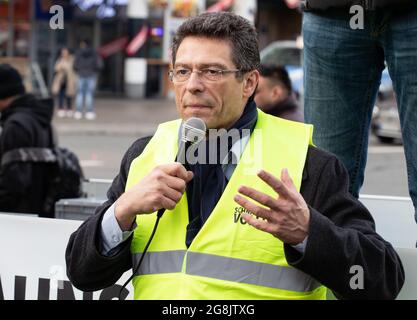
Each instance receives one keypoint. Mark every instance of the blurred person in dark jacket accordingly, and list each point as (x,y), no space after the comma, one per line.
(274,94)
(87,64)
(25,122)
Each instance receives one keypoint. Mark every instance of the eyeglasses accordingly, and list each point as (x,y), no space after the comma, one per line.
(211,75)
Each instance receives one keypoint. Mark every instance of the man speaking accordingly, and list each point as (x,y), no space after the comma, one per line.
(283,227)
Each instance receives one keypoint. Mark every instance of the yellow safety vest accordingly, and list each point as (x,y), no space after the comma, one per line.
(228,258)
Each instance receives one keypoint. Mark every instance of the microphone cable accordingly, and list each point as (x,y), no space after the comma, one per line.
(158,217)
(181,158)
(193,131)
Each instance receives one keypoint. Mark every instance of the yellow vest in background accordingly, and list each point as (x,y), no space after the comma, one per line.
(228,259)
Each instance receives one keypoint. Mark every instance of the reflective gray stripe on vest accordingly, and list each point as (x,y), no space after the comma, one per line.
(159,262)
(229,269)
(250,272)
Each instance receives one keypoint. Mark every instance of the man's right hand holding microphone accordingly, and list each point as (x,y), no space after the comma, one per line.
(163,187)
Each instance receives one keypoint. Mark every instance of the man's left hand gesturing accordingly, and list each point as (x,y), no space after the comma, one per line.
(286,216)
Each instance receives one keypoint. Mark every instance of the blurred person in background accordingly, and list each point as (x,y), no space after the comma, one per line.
(274,94)
(64,83)
(26,123)
(343,64)
(87,64)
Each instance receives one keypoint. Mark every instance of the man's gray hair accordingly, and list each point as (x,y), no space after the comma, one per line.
(225,26)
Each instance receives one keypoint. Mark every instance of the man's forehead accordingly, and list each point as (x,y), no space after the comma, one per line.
(202,51)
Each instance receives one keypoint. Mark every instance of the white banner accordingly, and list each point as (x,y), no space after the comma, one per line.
(32,261)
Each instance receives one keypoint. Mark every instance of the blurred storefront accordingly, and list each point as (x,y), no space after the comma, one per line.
(127,33)
(15,28)
(100,24)
(276,21)
(26,35)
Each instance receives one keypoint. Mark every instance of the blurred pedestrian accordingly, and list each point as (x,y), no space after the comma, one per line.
(343,66)
(87,64)
(25,122)
(274,94)
(63,85)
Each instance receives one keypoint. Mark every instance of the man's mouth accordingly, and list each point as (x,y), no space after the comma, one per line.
(196,106)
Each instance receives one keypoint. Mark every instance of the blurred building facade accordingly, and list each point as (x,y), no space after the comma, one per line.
(133,36)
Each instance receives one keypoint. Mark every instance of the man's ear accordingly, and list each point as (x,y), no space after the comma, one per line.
(250,82)
(277,92)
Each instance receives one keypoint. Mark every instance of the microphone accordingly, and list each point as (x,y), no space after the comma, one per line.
(193,131)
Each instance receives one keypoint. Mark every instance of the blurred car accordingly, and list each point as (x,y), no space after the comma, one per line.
(385,123)
(385,89)
(288,54)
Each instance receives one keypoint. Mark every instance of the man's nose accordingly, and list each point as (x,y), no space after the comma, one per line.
(194,83)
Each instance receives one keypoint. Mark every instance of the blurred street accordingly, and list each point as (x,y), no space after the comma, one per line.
(100,144)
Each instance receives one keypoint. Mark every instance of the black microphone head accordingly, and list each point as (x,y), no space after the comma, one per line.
(193,130)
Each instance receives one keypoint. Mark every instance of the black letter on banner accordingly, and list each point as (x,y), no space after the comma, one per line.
(43,289)
(67,293)
(19,288)
(1,291)
(113,292)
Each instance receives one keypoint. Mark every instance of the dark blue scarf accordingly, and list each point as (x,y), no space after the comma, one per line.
(209,182)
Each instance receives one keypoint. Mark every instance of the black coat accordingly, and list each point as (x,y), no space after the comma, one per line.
(367,4)
(342,234)
(87,62)
(25,123)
